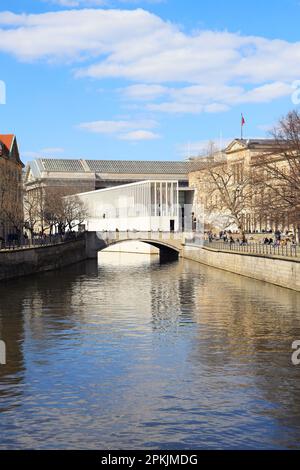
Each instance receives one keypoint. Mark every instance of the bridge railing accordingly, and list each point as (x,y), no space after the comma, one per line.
(142,235)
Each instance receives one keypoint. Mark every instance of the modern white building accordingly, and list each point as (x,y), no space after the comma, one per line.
(81,175)
(143,206)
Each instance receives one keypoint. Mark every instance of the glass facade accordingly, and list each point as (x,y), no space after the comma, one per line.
(164,198)
(145,199)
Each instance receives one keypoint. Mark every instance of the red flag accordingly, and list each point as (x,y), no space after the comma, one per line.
(243,120)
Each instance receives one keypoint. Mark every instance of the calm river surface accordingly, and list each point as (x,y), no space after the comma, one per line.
(132,354)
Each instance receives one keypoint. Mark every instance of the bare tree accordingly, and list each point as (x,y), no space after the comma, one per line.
(75,211)
(63,210)
(53,209)
(281,169)
(32,213)
(47,208)
(3,196)
(11,213)
(35,209)
(228,192)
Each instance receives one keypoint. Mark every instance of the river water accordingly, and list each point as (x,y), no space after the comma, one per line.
(131,354)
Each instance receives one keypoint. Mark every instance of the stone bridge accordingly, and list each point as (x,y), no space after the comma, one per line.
(170,244)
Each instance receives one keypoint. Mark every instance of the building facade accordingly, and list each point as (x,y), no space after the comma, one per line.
(11,188)
(88,175)
(241,160)
(153,205)
(81,176)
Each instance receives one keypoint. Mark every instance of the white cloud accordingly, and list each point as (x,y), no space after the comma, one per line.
(144,92)
(49,151)
(266,93)
(188,107)
(199,148)
(126,130)
(216,98)
(84,3)
(139,135)
(136,2)
(77,3)
(172,71)
(30,154)
(115,127)
(267,128)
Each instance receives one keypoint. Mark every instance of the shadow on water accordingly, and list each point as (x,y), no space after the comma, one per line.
(135,353)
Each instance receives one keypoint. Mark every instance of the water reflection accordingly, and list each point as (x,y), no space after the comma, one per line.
(137,354)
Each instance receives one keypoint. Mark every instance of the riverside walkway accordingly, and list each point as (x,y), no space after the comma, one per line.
(37,242)
(289,250)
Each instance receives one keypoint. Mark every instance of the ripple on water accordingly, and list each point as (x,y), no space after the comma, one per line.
(134,354)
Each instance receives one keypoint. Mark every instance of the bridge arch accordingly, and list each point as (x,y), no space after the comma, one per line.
(97,241)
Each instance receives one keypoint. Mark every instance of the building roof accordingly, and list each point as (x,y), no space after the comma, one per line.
(128,185)
(55,165)
(253,144)
(60,165)
(7,140)
(135,167)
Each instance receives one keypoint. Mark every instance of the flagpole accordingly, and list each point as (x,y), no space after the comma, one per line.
(241,126)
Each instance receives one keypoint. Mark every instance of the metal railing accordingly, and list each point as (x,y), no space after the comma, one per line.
(289,250)
(39,241)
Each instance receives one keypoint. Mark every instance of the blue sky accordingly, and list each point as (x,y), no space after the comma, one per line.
(117,79)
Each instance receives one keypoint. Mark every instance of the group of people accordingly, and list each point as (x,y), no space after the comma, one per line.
(279,241)
(227,237)
(19,239)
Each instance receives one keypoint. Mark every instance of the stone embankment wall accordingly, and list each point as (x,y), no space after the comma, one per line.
(275,270)
(21,262)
